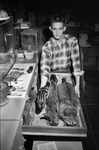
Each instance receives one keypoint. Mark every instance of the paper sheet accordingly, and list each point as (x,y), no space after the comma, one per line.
(47,146)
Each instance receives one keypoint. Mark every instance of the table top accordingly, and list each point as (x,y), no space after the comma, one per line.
(14,108)
(30,32)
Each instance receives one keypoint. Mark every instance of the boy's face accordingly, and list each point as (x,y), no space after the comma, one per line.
(57,29)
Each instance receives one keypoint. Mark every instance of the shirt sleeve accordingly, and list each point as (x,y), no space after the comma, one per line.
(75,56)
(45,61)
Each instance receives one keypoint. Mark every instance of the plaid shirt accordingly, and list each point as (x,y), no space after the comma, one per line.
(57,57)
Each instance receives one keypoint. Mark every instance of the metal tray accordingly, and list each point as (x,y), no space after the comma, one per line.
(57,131)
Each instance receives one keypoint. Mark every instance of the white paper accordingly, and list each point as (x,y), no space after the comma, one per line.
(47,146)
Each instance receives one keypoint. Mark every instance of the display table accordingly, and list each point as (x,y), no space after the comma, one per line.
(10,114)
(18,100)
(9,131)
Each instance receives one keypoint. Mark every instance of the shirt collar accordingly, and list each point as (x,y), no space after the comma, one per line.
(54,43)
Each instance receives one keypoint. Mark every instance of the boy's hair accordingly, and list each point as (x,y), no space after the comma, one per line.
(57,18)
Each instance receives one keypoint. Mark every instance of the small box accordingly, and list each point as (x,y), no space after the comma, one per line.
(30,39)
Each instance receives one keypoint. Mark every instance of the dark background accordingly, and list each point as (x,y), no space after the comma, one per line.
(86,12)
(84,7)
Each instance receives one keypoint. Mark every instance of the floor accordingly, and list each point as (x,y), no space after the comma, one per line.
(90,106)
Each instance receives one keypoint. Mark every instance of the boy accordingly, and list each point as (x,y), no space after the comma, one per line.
(59,54)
